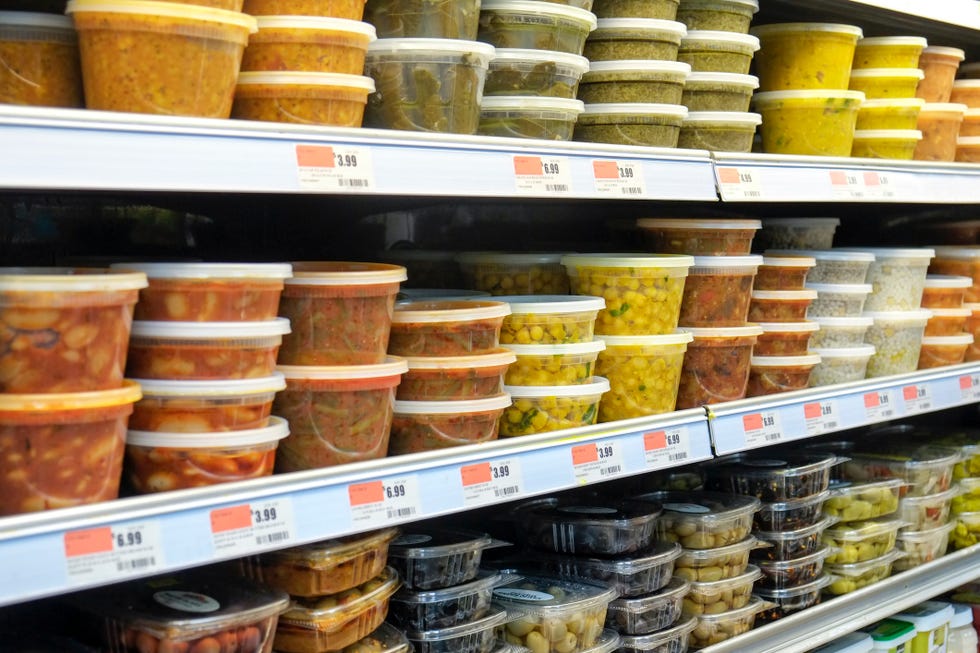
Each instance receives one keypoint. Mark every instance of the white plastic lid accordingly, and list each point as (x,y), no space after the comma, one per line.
(808,94)
(598,386)
(212,388)
(962,615)
(945,51)
(749,41)
(209,330)
(345,273)
(539,9)
(567,349)
(927,616)
(392,366)
(954,252)
(628,260)
(968,141)
(749,261)
(943,107)
(895,102)
(912,73)
(731,79)
(167,10)
(277,429)
(844,321)
(318,23)
(948,341)
(896,252)
(887,134)
(635,109)
(842,288)
(452,407)
(789,327)
(973,306)
(785,361)
(651,24)
(789,261)
(495,359)
(67,280)
(917,317)
(969,114)
(835,28)
(698,223)
(951,312)
(509,258)
(723,332)
(856,642)
(947,281)
(531,103)
(825,255)
(546,304)
(784,295)
(34,20)
(873,41)
(858,351)
(449,310)
(208,270)
(639,65)
(727,118)
(432,46)
(291,78)
(677,338)
(569,59)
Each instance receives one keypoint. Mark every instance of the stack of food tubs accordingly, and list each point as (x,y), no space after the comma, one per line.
(64,401)
(963,261)
(945,340)
(305,64)
(965,505)
(340,384)
(41,55)
(967,92)
(203,346)
(940,119)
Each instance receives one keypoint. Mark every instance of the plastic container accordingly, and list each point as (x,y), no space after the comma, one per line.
(944,291)
(885,143)
(966,532)
(307,98)
(962,261)
(718,52)
(444,608)
(891,636)
(881,83)
(535,25)
(968,149)
(446,328)
(714,628)
(335,621)
(75,443)
(160,461)
(937,351)
(630,576)
(452,378)
(841,365)
(940,125)
(898,277)
(643,372)
(308,43)
(791,476)
(721,595)
(657,9)
(926,512)
(798,56)
(442,19)
(204,350)
(40,55)
(385,639)
(792,544)
(470,637)
(703,520)
(921,547)
(719,131)
(888,52)
(717,291)
(784,338)
(720,15)
(783,272)
(962,634)
(785,237)
(546,73)
(939,64)
(840,300)
(790,515)
(350,9)
(859,541)
(966,91)
(699,237)
(780,305)
(543,408)
(970,127)
(774,374)
(783,574)
(706,565)
(644,614)
(546,602)
(591,528)
(793,599)
(621,82)
(66,329)
(426,425)
(967,497)
(926,469)
(522,273)
(716,365)
(897,337)
(889,113)
(860,501)
(549,319)
(205,406)
(138,56)
(625,38)
(834,266)
(660,278)
(436,558)
(523,116)
(188,610)
(973,326)
(931,620)
(324,567)
(707,91)
(839,332)
(668,640)
(553,365)
(631,123)
(432,85)
(813,122)
(337,414)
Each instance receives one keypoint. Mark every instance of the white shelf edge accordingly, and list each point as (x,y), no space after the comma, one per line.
(957,13)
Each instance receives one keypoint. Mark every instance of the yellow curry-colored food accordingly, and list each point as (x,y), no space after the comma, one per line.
(350,9)
(40,73)
(310,50)
(310,104)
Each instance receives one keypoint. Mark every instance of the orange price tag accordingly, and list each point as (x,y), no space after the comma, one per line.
(231,519)
(314,156)
(584,454)
(812,411)
(966,382)
(728,175)
(752,422)
(654,440)
(910,392)
(605,169)
(87,542)
(475,474)
(363,494)
(871,400)
(527,165)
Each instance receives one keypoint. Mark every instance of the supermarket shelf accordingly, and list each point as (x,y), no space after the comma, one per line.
(93,150)
(777,178)
(58,551)
(838,616)
(761,421)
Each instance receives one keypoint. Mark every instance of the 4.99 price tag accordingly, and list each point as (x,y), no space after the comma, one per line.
(377,503)
(251,527)
(491,482)
(335,168)
(112,552)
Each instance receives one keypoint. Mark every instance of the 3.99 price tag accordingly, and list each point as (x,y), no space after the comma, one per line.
(821,417)
(666,447)
(917,398)
(490,482)
(251,527)
(846,185)
(597,461)
(970,387)
(762,428)
(619,178)
(879,405)
(335,168)
(542,175)
(112,552)
(377,503)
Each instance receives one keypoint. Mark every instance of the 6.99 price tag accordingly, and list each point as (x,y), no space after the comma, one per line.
(112,552)
(542,175)
(377,503)
(821,417)
(490,482)
(762,428)
(251,527)
(666,447)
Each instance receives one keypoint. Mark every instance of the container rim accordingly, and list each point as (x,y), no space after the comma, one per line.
(209,330)
(449,310)
(628,260)
(35,19)
(741,118)
(207,270)
(833,28)
(599,386)
(667,339)
(290,78)
(548,304)
(277,429)
(510,55)
(164,9)
(567,349)
(319,23)
(345,273)
(841,288)
(462,407)
(128,393)
(699,223)
(497,358)
(554,9)
(393,366)
(212,387)
(789,261)
(64,279)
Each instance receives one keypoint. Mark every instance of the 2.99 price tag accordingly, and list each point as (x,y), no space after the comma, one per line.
(762,428)
(377,503)
(542,175)
(490,482)
(251,527)
(112,552)
(666,447)
(619,178)
(335,168)
(597,461)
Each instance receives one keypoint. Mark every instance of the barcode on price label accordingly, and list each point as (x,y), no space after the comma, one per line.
(618,178)
(597,461)
(917,398)
(542,175)
(110,552)
(375,503)
(334,167)
(491,482)
(762,428)
(821,417)
(879,405)
(970,386)
(250,527)
(739,184)
(666,447)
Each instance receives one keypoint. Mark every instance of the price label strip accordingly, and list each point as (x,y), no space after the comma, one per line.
(542,175)
(970,387)
(593,462)
(111,552)
(917,398)
(619,178)
(736,184)
(491,482)
(377,503)
(251,527)
(762,428)
(879,405)
(821,417)
(666,447)
(335,168)
(878,185)
(847,185)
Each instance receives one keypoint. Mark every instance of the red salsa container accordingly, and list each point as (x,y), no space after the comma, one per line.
(450,378)
(447,328)
(718,290)
(780,305)
(783,272)
(699,237)
(716,365)
(771,374)
(784,338)
(427,425)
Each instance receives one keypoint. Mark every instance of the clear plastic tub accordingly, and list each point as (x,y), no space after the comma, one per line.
(699,237)
(897,337)
(790,476)
(427,425)
(926,469)
(340,312)
(717,291)
(940,65)
(834,266)
(669,640)
(204,350)
(792,599)
(444,608)
(76,442)
(787,236)
(944,291)
(966,91)
(529,116)
(645,614)
(966,532)
(553,365)
(630,575)
(923,546)
(888,52)
(325,567)
(337,414)
(940,126)
(658,9)
(308,43)
(307,98)
(40,55)
(625,38)
(783,272)
(338,620)
(163,56)
(805,55)
(792,514)
(859,541)
(65,329)
(938,351)
(653,308)
(544,408)
(719,131)
(783,574)
(721,595)
(549,319)
(446,327)
(715,628)
(717,51)
(840,332)
(780,305)
(631,123)
(973,326)
(431,85)
(517,71)
(968,149)
(921,513)
(644,374)
(792,544)
(522,24)
(716,365)
(508,273)
(773,374)
(706,565)
(839,299)
(615,82)
(841,365)
(471,637)
(590,528)
(811,121)
(962,261)
(547,602)
(967,498)
(720,15)
(350,9)
(854,576)
(885,143)
(970,127)
(784,338)
(889,113)
(385,639)
(898,277)
(703,520)
(705,91)
(452,378)
(436,558)
(881,83)
(439,19)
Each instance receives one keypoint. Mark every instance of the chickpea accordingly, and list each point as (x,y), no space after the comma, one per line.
(526,416)
(634,305)
(556,369)
(531,329)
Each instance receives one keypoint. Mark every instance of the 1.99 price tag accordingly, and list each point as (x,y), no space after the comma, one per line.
(491,482)
(113,552)
(377,503)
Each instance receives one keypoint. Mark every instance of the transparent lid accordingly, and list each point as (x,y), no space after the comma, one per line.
(789,261)
(966,83)
(697,223)
(277,429)
(797,590)
(786,464)
(660,554)
(947,281)
(782,536)
(726,118)
(808,94)
(35,20)
(908,318)
(888,134)
(460,407)
(291,78)
(510,258)
(485,580)
(752,261)
(212,388)
(785,295)
(735,39)
(858,351)
(793,504)
(675,588)
(168,10)
(640,65)
(707,507)
(911,456)
(750,575)
(325,554)
(748,544)
(789,327)
(826,254)
(57,401)
(514,55)
(845,488)
(843,322)
(677,338)
(417,542)
(318,23)
(960,339)
(806,360)
(776,566)
(931,535)
(698,78)
(209,330)
(537,595)
(345,273)
(842,288)
(548,304)
(638,24)
(499,357)
(449,310)
(481,52)
(39,279)
(622,513)
(679,631)
(598,386)
(208,270)
(944,51)
(858,530)
(497,103)
(635,109)
(781,28)
(873,41)
(566,349)
(754,607)
(895,102)
(724,332)
(392,366)
(898,73)
(531,7)
(310,613)
(958,252)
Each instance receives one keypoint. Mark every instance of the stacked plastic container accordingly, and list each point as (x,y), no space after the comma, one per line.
(42,69)
(963,261)
(967,76)
(941,117)
(945,340)
(203,346)
(965,505)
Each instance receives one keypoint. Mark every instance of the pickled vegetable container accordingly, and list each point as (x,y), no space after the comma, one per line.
(306,98)
(643,372)
(716,365)
(308,43)
(813,121)
(631,123)
(549,319)
(446,327)
(701,236)
(718,290)
(40,53)
(888,52)
(801,56)
(636,38)
(522,24)
(425,425)
(785,338)
(517,71)
(510,273)
(542,408)
(448,378)
(718,51)
(720,15)
(426,20)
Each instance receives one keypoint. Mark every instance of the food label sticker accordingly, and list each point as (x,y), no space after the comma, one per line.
(255,526)
(592,462)
(970,387)
(739,184)
(518,594)
(376,503)
(335,168)
(762,428)
(491,482)
(113,552)
(618,178)
(821,416)
(666,447)
(847,184)
(879,405)
(542,175)
(878,185)
(917,398)
(187,601)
